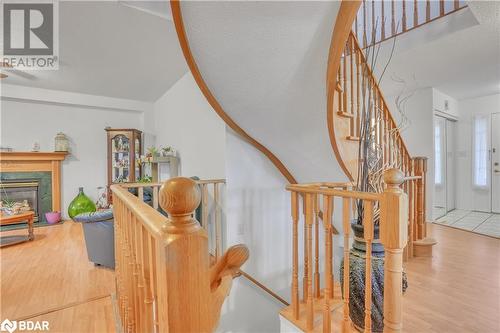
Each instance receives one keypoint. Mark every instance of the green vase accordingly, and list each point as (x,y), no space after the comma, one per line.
(81,204)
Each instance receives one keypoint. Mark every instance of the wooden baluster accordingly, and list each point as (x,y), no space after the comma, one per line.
(295,256)
(368,236)
(411,218)
(137,283)
(404,15)
(373,26)
(344,72)
(350,44)
(365,41)
(152,246)
(415,13)
(204,206)
(305,278)
(376,113)
(383,21)
(308,268)
(393,18)
(393,234)
(339,88)
(356,26)
(420,199)
(427,11)
(133,278)
(441,7)
(140,193)
(358,100)
(390,141)
(424,191)
(346,224)
(155,197)
(218,232)
(317,286)
(146,273)
(456,4)
(327,224)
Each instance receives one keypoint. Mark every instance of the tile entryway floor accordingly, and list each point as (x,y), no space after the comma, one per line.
(480,222)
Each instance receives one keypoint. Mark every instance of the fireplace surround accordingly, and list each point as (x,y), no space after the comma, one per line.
(43,168)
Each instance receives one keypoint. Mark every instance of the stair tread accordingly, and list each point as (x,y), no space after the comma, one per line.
(426,241)
(345,114)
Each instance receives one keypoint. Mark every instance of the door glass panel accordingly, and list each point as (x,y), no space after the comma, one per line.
(137,153)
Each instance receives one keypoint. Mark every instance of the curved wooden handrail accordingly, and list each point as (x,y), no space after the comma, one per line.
(150,218)
(335,88)
(347,13)
(193,66)
(372,76)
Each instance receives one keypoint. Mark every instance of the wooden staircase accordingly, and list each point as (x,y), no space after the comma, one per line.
(358,96)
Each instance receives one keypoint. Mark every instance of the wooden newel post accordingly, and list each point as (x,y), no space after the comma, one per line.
(420,167)
(394,236)
(190,291)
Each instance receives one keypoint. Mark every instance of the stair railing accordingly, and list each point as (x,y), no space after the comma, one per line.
(166,280)
(394,18)
(210,209)
(321,302)
(358,93)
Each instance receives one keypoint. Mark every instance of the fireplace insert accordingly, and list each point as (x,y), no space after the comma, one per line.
(18,190)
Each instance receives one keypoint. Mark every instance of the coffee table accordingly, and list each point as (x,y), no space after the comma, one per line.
(13,219)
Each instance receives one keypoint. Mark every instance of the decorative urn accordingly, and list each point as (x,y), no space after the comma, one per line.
(61,142)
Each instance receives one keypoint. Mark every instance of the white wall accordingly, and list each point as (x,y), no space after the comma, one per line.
(469,197)
(418,136)
(258,210)
(24,122)
(184,119)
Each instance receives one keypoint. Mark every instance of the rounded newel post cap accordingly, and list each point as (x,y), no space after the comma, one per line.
(179,197)
(393,177)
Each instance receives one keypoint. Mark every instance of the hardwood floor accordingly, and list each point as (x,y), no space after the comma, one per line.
(53,274)
(458,290)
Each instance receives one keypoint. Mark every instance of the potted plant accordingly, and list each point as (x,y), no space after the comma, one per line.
(168,151)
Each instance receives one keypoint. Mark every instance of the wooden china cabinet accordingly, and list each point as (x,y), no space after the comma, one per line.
(124,151)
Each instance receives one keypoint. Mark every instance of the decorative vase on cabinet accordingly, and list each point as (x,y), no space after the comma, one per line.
(81,204)
(124,151)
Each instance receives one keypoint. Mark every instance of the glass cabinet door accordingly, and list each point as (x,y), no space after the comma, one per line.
(120,159)
(137,155)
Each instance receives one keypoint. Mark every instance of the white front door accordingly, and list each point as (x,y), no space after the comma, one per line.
(495,162)
(439,208)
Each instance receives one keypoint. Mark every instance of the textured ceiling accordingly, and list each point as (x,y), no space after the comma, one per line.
(266,62)
(111,49)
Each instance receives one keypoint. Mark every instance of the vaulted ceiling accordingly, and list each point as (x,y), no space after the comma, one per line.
(111,48)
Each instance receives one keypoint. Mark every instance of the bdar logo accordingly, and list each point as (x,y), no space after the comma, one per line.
(9,326)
